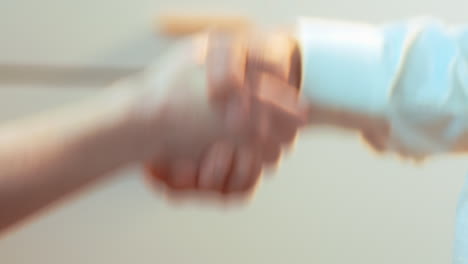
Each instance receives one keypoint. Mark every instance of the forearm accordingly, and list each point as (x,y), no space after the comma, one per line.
(50,155)
(401,84)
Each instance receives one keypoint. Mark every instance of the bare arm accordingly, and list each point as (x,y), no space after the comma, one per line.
(173,116)
(45,157)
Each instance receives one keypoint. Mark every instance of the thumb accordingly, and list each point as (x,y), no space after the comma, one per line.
(225,66)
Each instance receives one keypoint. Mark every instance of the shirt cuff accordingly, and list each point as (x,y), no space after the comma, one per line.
(344,65)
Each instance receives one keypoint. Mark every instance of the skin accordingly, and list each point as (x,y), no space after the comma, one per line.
(206,118)
(262,84)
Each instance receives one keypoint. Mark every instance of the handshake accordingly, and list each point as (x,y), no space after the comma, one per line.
(221,108)
(208,117)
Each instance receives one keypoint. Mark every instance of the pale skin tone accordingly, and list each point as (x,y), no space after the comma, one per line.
(208,121)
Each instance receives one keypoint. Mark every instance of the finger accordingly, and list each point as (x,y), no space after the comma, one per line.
(268,134)
(158,171)
(271,153)
(280,101)
(259,127)
(236,118)
(156,177)
(215,166)
(269,131)
(225,63)
(270,123)
(278,93)
(255,177)
(288,146)
(284,126)
(244,169)
(183,175)
(295,72)
(264,56)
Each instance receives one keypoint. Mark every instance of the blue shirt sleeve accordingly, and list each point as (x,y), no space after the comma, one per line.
(403,84)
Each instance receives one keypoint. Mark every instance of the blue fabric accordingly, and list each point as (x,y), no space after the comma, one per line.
(412,75)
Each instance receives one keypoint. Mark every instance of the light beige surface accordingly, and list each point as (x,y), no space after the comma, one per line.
(117,31)
(332,201)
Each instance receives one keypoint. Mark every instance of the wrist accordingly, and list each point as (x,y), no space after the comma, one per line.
(171,112)
(136,112)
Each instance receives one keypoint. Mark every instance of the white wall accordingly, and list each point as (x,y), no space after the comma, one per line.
(332,201)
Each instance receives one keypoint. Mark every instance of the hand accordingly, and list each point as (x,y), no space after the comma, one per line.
(230,105)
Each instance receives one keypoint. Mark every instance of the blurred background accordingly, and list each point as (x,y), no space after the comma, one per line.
(332,200)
